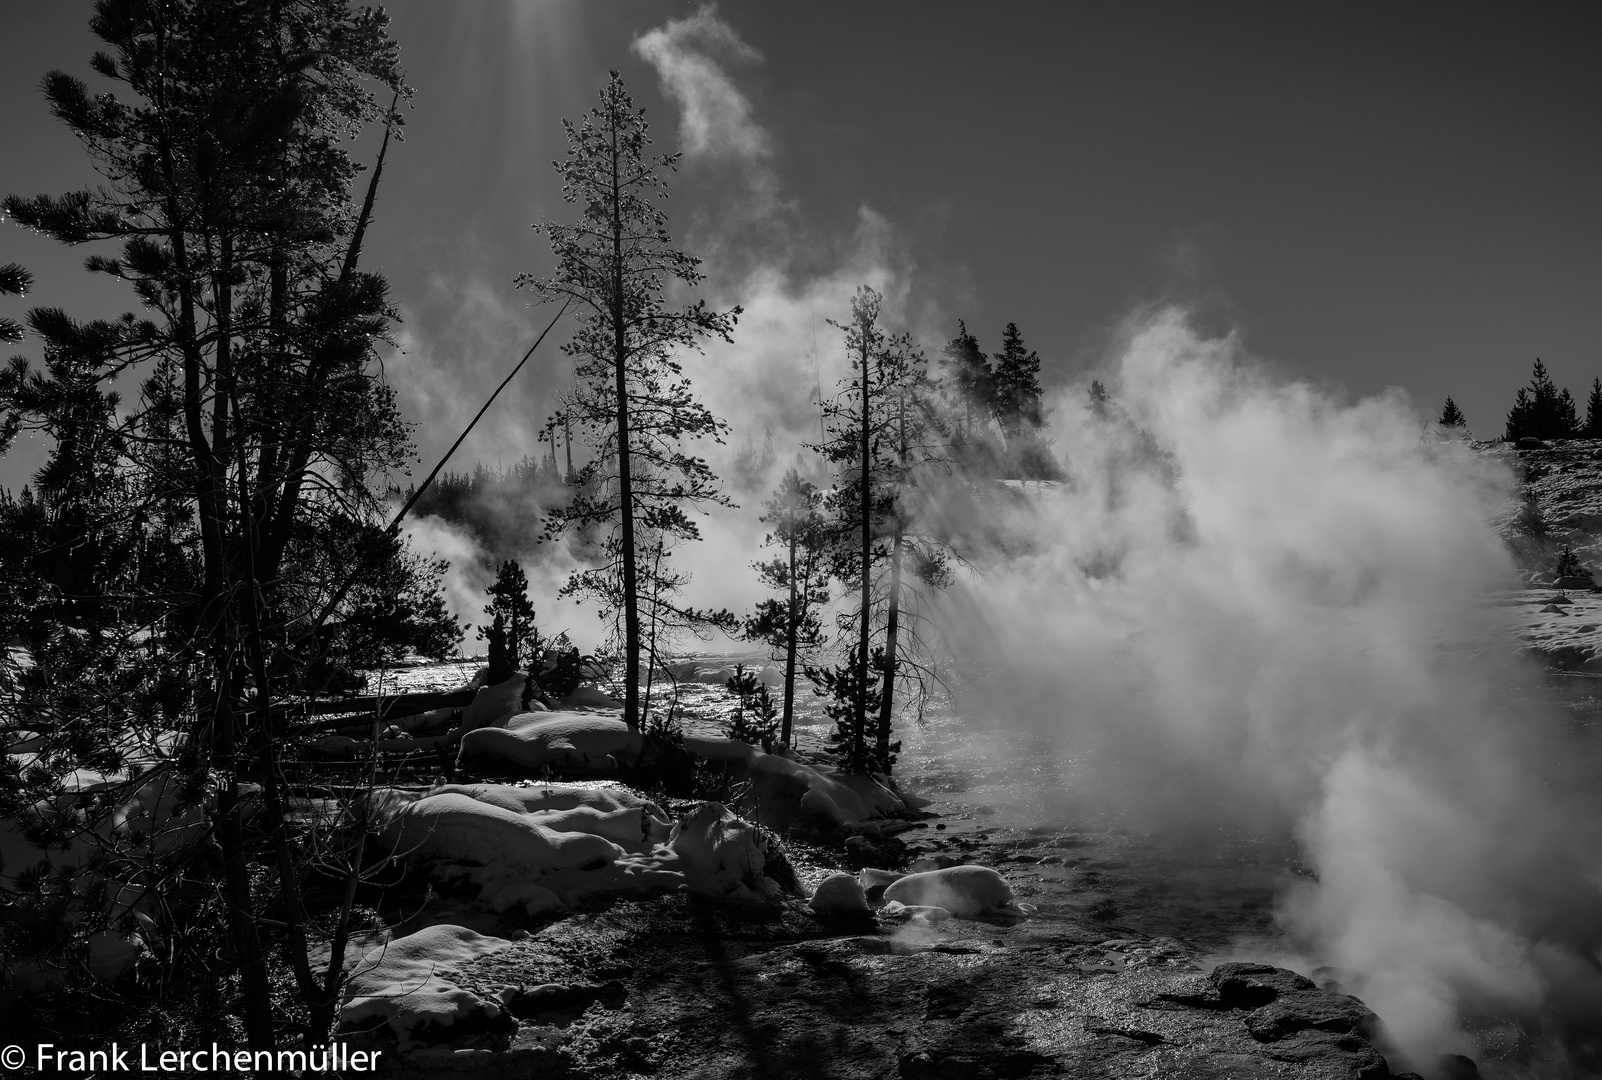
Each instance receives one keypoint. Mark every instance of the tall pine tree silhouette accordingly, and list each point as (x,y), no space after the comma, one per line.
(1593,411)
(1541,410)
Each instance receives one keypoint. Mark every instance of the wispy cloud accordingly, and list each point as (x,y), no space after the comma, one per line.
(691,57)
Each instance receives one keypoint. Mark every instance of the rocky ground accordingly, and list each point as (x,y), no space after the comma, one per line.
(678,987)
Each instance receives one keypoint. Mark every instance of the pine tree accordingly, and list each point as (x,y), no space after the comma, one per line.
(1451,416)
(789,624)
(877,435)
(1593,411)
(228,186)
(756,717)
(853,693)
(1541,411)
(1016,398)
(632,401)
(514,642)
(14,281)
(968,378)
(1567,418)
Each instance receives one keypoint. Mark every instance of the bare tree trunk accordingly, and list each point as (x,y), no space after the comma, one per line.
(793,616)
(887,703)
(864,664)
(625,484)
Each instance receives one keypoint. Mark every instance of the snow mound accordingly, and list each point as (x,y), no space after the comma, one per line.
(589,697)
(458,826)
(494,705)
(400,982)
(572,740)
(839,894)
(721,854)
(820,790)
(964,891)
(545,847)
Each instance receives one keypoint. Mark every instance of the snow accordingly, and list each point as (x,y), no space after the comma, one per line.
(148,824)
(839,894)
(458,826)
(964,891)
(588,697)
(545,847)
(571,740)
(401,983)
(721,854)
(821,790)
(494,705)
(922,914)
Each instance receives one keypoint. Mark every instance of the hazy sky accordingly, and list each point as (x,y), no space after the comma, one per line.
(1372,194)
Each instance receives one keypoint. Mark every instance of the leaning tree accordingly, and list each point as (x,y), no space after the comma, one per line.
(226,505)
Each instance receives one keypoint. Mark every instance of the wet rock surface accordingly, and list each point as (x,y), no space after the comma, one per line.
(681,987)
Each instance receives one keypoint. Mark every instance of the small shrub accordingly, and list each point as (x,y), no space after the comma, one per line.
(756,717)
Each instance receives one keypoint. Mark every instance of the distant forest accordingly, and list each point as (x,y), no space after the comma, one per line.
(502,507)
(1543,410)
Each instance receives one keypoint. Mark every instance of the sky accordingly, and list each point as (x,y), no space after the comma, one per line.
(1370,195)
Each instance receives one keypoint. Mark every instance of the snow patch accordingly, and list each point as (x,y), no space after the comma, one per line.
(570,740)
(964,891)
(401,983)
(545,847)
(820,790)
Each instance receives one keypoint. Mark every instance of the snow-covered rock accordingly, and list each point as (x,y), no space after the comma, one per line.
(494,705)
(401,983)
(721,854)
(560,739)
(545,847)
(590,697)
(839,894)
(965,891)
(820,790)
(458,826)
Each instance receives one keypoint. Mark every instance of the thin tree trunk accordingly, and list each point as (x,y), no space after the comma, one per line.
(625,484)
(892,621)
(864,664)
(793,616)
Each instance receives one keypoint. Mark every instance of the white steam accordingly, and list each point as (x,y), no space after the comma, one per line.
(689,56)
(1272,610)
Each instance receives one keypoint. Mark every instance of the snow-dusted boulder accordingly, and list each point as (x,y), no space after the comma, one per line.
(494,705)
(820,790)
(400,983)
(590,697)
(721,854)
(965,891)
(457,826)
(560,739)
(839,894)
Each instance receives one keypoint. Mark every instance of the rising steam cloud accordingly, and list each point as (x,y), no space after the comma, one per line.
(1273,610)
